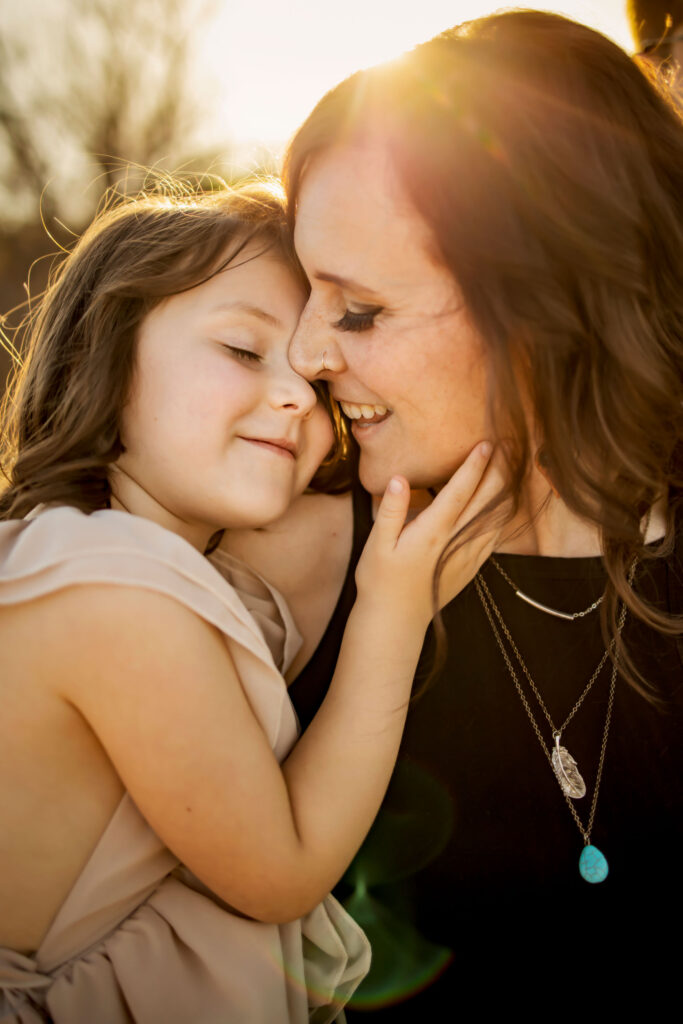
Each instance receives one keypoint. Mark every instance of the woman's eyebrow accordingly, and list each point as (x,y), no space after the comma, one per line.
(246,307)
(343,282)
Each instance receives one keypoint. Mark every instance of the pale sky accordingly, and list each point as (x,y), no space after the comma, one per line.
(271,60)
(260,66)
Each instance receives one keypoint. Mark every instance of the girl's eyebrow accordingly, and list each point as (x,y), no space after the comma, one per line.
(246,307)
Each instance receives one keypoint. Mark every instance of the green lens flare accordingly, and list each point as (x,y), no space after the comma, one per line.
(412,828)
(403,962)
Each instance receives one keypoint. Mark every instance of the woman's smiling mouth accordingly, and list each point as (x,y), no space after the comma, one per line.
(365,413)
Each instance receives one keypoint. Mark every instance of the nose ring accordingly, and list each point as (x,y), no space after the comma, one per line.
(323,364)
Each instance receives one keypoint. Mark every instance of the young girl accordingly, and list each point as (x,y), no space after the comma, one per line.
(166,848)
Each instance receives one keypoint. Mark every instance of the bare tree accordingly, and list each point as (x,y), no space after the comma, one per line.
(92,93)
(97,86)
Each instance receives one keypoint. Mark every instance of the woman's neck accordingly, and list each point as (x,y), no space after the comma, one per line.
(544,525)
(551,529)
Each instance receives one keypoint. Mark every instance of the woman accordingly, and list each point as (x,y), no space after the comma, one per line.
(492,228)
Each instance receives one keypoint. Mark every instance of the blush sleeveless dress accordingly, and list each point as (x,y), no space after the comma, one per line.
(139,938)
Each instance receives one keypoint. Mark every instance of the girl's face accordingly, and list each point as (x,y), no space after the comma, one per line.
(386,318)
(220,431)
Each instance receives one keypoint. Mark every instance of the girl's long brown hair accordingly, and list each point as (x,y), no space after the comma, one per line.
(550,170)
(60,423)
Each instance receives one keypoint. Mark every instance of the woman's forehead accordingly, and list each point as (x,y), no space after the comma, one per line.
(352,203)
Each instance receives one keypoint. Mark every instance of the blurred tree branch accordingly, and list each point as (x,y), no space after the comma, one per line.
(108,88)
(93,93)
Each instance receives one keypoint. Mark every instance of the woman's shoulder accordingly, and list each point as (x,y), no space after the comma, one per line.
(311,540)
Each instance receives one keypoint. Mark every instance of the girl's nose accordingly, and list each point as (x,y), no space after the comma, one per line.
(291,391)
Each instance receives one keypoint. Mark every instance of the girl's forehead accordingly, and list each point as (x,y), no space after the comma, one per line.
(256,287)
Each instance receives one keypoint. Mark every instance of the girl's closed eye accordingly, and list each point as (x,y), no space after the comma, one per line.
(358,321)
(243,355)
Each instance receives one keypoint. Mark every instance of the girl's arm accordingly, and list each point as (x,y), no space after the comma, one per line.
(157,686)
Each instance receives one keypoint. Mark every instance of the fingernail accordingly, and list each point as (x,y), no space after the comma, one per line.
(395,485)
(485,449)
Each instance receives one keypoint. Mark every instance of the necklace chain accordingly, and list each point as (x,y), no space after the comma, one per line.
(491,609)
(570,616)
(481,582)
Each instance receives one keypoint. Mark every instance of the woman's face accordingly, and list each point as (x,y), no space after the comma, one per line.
(220,431)
(385,323)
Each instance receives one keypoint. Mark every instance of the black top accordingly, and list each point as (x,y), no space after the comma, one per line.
(308,689)
(468,884)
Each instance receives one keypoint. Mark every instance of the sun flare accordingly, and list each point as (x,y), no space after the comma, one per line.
(271,62)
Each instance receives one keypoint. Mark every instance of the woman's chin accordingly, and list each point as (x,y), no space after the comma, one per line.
(375,476)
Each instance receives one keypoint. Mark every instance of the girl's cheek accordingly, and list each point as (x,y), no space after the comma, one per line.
(322,430)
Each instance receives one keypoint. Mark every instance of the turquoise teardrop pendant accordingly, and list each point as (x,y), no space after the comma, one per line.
(593,865)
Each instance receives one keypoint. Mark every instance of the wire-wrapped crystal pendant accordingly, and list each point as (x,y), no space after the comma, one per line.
(566,771)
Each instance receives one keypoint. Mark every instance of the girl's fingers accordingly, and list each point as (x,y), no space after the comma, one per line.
(491,484)
(454,496)
(392,511)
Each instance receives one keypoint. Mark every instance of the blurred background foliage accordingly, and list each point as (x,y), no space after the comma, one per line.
(93,95)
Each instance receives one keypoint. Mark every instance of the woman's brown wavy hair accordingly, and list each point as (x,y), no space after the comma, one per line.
(60,423)
(550,170)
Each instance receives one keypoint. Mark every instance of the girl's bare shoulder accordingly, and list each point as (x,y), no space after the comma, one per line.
(55,635)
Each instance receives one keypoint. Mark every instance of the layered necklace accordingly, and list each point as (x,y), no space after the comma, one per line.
(593,865)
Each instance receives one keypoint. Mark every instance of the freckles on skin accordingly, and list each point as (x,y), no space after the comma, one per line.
(364,245)
(426,377)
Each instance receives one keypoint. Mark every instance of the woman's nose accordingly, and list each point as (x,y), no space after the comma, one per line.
(313,350)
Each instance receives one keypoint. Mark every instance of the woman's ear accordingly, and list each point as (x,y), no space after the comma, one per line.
(542,463)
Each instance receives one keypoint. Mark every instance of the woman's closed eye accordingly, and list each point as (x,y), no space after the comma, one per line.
(358,321)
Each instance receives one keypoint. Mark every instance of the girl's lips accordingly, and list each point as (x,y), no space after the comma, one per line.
(280,446)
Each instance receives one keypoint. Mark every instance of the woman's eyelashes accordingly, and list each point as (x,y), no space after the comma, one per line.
(358,321)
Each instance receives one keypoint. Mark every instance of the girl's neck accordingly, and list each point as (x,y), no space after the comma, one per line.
(128,495)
